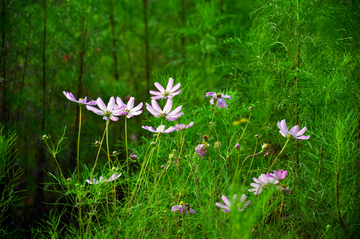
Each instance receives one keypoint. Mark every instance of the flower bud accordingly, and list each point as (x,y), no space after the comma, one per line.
(113,169)
(134,157)
(69,179)
(97,143)
(256,136)
(206,138)
(115,152)
(162,167)
(44,136)
(210,123)
(251,108)
(237,146)
(153,143)
(217,145)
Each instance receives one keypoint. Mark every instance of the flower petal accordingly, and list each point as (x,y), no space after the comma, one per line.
(168,106)
(226,200)
(159,87)
(169,84)
(149,128)
(95,110)
(213,94)
(111,104)
(221,205)
(294,130)
(175,88)
(101,104)
(301,132)
(119,102)
(130,103)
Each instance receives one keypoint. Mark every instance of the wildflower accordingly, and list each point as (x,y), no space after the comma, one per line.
(129,107)
(244,120)
(102,179)
(182,207)
(71,97)
(294,131)
(237,146)
(220,99)
(201,149)
(156,111)
(262,183)
(162,166)
(226,208)
(183,126)
(170,91)
(160,129)
(285,190)
(278,175)
(109,112)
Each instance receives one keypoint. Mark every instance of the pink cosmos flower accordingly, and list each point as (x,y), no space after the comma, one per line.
(160,129)
(220,99)
(131,110)
(201,149)
(102,179)
(294,131)
(109,112)
(183,126)
(262,183)
(182,207)
(228,205)
(278,175)
(156,111)
(71,97)
(170,91)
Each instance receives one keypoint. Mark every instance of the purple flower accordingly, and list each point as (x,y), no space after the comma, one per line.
(294,131)
(240,205)
(262,183)
(131,110)
(168,93)
(71,97)
(160,129)
(183,126)
(220,99)
(278,175)
(109,112)
(102,179)
(182,207)
(155,110)
(201,149)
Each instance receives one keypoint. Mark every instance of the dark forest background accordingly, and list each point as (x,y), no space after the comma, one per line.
(293,58)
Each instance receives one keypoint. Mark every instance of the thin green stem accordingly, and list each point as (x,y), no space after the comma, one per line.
(78,170)
(278,155)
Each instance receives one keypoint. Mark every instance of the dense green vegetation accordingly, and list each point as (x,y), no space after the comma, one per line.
(293,59)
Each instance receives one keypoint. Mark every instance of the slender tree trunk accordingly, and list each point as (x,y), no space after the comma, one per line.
(3,62)
(147,65)
(25,67)
(182,17)
(73,154)
(133,79)
(39,197)
(116,73)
